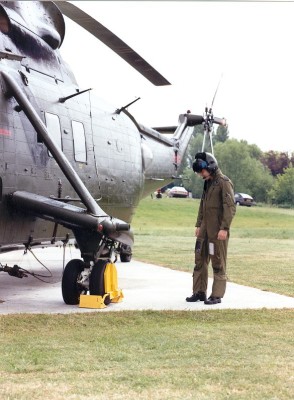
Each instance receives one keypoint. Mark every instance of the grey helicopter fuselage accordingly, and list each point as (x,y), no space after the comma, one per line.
(118,160)
(71,165)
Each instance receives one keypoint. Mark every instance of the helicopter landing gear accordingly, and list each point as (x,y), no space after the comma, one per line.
(92,282)
(100,282)
(72,286)
(102,286)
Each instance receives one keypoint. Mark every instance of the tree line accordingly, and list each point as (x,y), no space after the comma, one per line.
(267,176)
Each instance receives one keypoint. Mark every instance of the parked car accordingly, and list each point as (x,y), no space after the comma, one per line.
(243,199)
(178,191)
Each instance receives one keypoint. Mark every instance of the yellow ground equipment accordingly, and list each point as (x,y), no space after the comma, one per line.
(111,292)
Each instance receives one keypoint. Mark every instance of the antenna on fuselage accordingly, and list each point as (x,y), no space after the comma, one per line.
(63,99)
(119,110)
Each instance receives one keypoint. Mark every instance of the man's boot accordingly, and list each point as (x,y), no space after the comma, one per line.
(200,296)
(213,300)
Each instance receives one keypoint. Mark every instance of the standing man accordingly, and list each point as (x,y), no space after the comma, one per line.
(216,211)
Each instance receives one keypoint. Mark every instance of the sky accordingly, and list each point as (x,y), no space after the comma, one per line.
(245,49)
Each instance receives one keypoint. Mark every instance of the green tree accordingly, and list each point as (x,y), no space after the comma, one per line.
(282,192)
(222,134)
(254,151)
(248,174)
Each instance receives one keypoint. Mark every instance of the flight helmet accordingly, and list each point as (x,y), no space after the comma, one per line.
(206,161)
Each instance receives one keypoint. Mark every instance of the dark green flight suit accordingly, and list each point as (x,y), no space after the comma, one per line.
(216,212)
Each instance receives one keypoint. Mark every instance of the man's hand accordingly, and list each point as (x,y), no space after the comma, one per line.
(197,230)
(222,235)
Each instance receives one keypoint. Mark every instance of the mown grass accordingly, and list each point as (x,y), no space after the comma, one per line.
(202,355)
(260,250)
(148,355)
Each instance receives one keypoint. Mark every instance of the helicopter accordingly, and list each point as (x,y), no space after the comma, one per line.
(73,167)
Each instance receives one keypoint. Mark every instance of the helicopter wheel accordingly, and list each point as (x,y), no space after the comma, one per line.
(71,290)
(96,282)
(126,256)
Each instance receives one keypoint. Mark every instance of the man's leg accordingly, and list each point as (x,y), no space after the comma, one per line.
(219,262)
(200,273)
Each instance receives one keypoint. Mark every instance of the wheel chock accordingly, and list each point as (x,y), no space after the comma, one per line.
(112,293)
(116,296)
(111,283)
(92,301)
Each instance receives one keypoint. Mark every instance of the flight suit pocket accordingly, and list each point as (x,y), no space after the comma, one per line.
(198,251)
(214,252)
(198,246)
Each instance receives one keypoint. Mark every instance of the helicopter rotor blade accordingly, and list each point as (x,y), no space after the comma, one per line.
(112,41)
(216,90)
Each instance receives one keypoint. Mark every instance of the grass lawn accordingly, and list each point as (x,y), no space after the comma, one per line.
(148,355)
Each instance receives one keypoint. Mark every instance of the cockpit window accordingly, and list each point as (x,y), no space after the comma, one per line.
(4,21)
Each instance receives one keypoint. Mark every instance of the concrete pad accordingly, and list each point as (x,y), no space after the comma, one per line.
(145,287)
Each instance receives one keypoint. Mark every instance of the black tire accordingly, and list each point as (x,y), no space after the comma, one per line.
(71,290)
(96,282)
(125,257)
